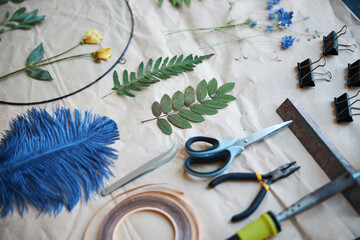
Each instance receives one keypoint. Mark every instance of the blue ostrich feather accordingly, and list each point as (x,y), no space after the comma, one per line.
(53,161)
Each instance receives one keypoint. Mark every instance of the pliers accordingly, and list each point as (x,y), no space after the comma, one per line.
(265,179)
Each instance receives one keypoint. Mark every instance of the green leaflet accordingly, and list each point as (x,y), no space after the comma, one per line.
(5,17)
(152,73)
(224,97)
(164,126)
(165,103)
(156,109)
(38,73)
(182,108)
(214,104)
(178,100)
(201,90)
(179,121)
(191,116)
(176,3)
(212,87)
(227,87)
(35,56)
(201,109)
(189,95)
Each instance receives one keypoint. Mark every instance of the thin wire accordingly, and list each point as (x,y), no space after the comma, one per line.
(119,61)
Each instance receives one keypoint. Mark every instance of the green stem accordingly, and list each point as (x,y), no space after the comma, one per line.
(108,94)
(43,64)
(162,116)
(173,112)
(9,74)
(228,12)
(261,52)
(222,43)
(225,26)
(61,59)
(61,53)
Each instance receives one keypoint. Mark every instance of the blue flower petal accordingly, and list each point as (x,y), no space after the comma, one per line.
(284,17)
(272,3)
(287,42)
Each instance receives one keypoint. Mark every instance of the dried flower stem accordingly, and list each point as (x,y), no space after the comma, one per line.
(210,29)
(61,53)
(43,64)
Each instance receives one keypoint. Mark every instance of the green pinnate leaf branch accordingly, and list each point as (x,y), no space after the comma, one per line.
(20,20)
(183,108)
(152,73)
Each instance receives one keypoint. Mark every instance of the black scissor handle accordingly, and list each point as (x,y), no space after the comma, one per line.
(213,141)
(222,156)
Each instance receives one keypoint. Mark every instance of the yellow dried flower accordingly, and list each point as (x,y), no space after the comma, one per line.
(93,36)
(102,54)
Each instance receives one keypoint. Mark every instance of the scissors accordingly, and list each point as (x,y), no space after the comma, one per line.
(222,150)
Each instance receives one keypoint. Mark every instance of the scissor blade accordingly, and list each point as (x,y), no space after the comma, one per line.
(260,135)
(147,167)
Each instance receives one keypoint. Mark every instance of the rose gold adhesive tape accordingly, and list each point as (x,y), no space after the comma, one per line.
(168,204)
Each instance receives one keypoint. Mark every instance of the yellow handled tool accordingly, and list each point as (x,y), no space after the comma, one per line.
(262,228)
(268,225)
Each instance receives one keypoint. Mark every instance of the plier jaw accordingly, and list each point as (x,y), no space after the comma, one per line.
(281,172)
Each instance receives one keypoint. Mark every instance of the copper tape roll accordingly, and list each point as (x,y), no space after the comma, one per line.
(167,203)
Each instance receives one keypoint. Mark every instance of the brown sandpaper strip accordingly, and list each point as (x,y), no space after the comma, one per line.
(169,205)
(329,158)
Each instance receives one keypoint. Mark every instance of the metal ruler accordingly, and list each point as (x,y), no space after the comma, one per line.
(319,146)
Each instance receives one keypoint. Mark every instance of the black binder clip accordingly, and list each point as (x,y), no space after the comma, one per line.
(354,74)
(306,72)
(331,45)
(343,107)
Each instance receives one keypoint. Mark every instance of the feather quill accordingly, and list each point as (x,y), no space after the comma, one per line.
(52,161)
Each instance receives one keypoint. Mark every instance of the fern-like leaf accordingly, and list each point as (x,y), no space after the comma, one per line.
(51,161)
(162,69)
(182,109)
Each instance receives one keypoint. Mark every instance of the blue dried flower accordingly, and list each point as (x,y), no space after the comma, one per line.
(253,24)
(284,17)
(287,41)
(271,16)
(269,28)
(272,3)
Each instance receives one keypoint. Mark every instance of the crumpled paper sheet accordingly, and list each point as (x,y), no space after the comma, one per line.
(261,86)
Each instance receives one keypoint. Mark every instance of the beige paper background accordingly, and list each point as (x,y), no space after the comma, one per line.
(261,86)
